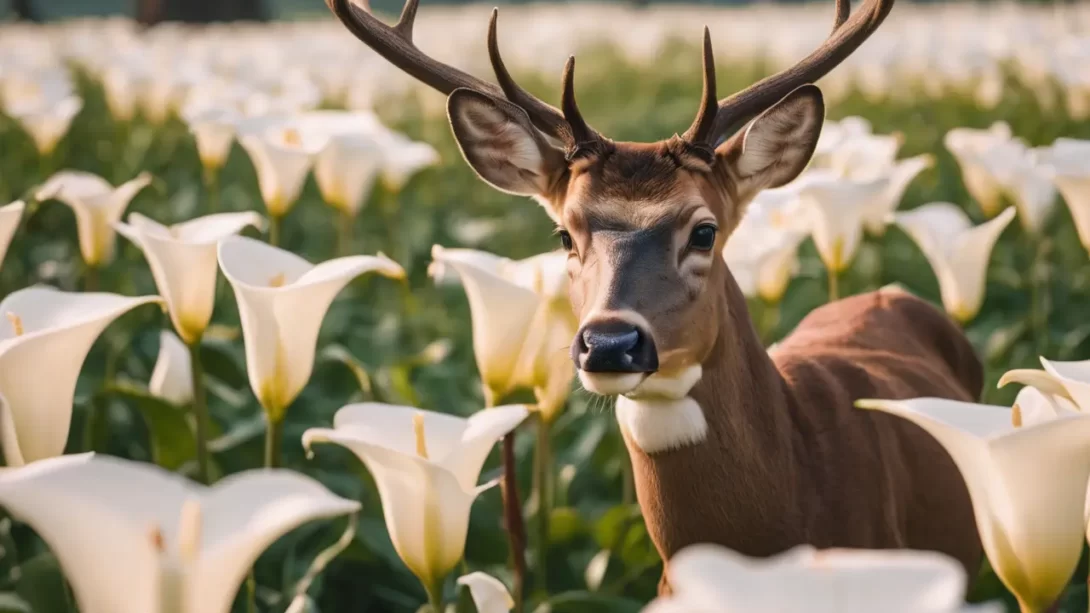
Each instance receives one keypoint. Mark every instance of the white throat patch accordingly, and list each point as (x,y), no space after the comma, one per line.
(659,415)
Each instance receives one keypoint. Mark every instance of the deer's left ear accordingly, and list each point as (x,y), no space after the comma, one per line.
(778,143)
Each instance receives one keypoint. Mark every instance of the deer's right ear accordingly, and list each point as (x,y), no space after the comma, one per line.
(503,147)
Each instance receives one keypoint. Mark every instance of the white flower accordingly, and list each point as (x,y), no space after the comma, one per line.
(47,122)
(1066,384)
(1032,528)
(214,131)
(836,209)
(899,175)
(182,259)
(489,594)
(282,154)
(134,538)
(762,253)
(172,377)
(957,251)
(713,579)
(351,159)
(968,145)
(282,300)
(10,215)
(45,335)
(1067,163)
(522,321)
(426,466)
(97,205)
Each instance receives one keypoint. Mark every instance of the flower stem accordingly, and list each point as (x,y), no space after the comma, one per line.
(435,595)
(516,527)
(834,284)
(345,232)
(543,494)
(628,485)
(275,221)
(200,412)
(91,278)
(212,188)
(274,437)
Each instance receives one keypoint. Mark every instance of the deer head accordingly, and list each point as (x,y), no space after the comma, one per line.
(644,223)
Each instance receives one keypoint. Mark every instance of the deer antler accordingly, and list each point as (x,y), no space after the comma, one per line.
(733,112)
(396,45)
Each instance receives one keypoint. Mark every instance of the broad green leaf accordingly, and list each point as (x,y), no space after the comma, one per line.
(12,603)
(172,440)
(42,585)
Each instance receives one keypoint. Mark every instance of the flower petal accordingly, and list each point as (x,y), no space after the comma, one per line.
(172,377)
(489,594)
(1075,378)
(10,215)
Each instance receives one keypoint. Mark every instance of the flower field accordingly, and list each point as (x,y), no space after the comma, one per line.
(253,234)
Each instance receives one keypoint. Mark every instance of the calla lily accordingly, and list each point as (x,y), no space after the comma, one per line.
(44,339)
(712,579)
(214,131)
(489,594)
(9,221)
(426,466)
(1027,185)
(403,158)
(1067,162)
(836,209)
(97,205)
(172,377)
(1032,528)
(183,261)
(522,321)
(967,146)
(282,155)
(762,254)
(1066,382)
(134,538)
(346,171)
(957,252)
(900,175)
(282,300)
(47,122)
(864,156)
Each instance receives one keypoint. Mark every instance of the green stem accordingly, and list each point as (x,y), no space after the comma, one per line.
(834,284)
(91,279)
(628,485)
(516,527)
(251,593)
(212,189)
(770,320)
(543,494)
(346,222)
(200,412)
(274,439)
(435,595)
(1039,294)
(275,222)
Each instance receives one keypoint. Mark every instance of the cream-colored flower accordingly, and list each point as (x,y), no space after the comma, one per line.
(172,376)
(48,121)
(426,466)
(98,205)
(134,538)
(1067,163)
(282,300)
(762,252)
(968,146)
(45,335)
(10,215)
(282,154)
(213,129)
(1032,528)
(836,209)
(957,251)
(182,259)
(489,594)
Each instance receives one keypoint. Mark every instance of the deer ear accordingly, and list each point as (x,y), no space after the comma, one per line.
(503,147)
(778,143)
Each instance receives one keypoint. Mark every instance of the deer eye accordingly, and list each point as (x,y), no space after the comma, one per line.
(565,240)
(703,237)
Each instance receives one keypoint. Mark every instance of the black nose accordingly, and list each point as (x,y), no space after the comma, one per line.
(614,346)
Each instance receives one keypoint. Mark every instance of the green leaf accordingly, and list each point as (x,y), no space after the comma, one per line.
(12,603)
(171,437)
(587,602)
(338,353)
(42,585)
(465,603)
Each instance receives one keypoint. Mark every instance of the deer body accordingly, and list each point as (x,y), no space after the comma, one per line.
(786,459)
(729,445)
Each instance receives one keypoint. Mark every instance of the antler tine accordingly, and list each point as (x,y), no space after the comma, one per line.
(544,116)
(581,132)
(848,34)
(396,45)
(701,130)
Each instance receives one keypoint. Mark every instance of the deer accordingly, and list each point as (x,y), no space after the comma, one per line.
(731,443)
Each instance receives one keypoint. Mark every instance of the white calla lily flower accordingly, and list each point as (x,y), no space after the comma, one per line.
(968,147)
(213,130)
(522,321)
(172,376)
(489,594)
(403,158)
(762,253)
(900,175)
(1032,528)
(134,538)
(1068,382)
(836,210)
(426,466)
(346,170)
(10,216)
(957,251)
(45,335)
(1067,163)
(98,205)
(713,579)
(182,259)
(282,300)
(47,122)
(283,154)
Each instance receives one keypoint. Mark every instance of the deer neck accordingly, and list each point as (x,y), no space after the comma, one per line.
(717,459)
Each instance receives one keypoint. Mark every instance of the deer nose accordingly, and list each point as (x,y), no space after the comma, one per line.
(614,346)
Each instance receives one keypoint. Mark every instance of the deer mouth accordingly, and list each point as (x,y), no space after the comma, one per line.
(663,385)
(611,383)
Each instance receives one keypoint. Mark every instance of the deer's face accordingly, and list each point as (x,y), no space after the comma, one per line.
(644,226)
